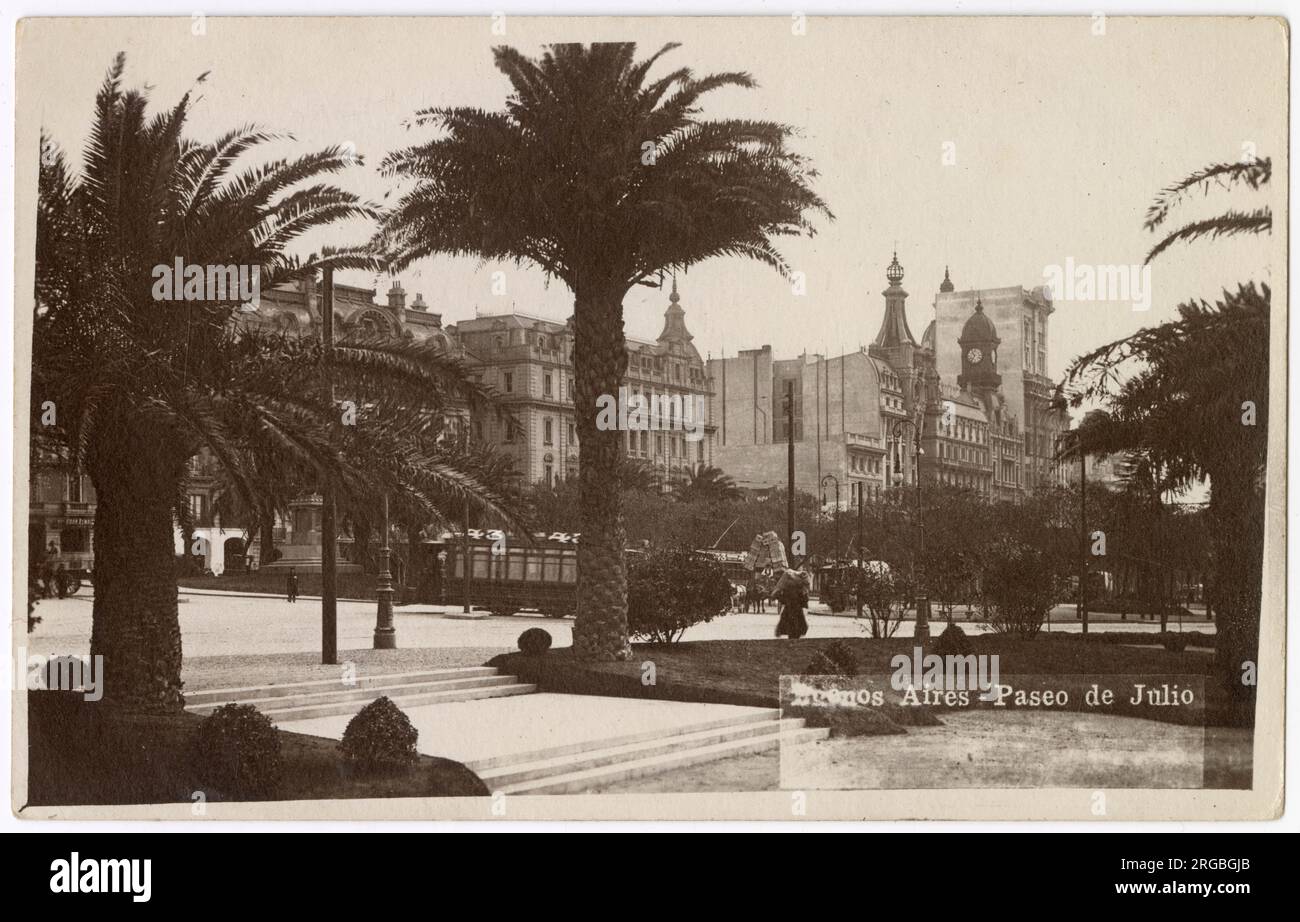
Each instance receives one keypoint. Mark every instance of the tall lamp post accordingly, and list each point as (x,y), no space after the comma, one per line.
(329,644)
(922,632)
(385,633)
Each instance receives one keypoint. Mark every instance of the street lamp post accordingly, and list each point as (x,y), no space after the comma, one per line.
(385,633)
(922,631)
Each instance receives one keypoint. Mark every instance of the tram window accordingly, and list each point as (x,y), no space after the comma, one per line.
(569,569)
(551,573)
(515,568)
(533,569)
(480,564)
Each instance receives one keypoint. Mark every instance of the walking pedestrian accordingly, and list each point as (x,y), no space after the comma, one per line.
(792,596)
(292,588)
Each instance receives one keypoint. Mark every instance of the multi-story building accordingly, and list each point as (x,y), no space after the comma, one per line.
(529,361)
(61,518)
(856,415)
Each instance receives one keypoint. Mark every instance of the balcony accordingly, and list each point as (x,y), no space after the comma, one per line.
(865,441)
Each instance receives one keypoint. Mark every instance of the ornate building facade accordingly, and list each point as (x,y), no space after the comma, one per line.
(975,385)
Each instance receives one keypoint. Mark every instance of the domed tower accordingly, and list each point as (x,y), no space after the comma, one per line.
(979,343)
(894,343)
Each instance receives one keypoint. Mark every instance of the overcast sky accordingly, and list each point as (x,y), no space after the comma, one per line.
(1061,137)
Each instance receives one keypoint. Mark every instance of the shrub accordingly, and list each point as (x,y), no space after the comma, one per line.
(671,590)
(1174,643)
(821,664)
(842,655)
(380,738)
(534,641)
(1019,582)
(953,642)
(236,750)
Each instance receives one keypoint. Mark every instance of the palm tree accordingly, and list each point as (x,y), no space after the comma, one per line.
(709,484)
(605,179)
(141,385)
(1191,398)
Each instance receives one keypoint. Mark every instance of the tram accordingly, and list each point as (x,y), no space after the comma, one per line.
(506,574)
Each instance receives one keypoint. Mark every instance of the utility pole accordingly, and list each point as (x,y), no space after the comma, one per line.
(1083,536)
(329,614)
(465,549)
(789,453)
(861,572)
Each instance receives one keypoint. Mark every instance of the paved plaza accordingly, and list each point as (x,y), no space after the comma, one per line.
(221,625)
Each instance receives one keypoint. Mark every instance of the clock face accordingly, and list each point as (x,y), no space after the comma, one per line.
(974,356)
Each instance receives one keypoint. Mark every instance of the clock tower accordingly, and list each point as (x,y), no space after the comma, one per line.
(979,343)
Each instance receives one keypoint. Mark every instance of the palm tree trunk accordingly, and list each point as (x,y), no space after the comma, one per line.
(266,543)
(134,626)
(600,359)
(1238,533)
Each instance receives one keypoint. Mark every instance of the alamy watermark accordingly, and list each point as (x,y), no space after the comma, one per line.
(652,412)
(193,282)
(60,673)
(1088,282)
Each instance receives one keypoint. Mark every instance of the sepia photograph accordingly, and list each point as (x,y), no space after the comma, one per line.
(690,417)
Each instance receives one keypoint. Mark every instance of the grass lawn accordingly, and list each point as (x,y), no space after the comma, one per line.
(81,753)
(746,672)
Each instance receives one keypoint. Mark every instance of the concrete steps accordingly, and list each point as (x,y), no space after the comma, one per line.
(583,766)
(331,698)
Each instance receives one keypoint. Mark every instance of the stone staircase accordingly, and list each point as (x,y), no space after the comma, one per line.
(579,767)
(573,767)
(331,698)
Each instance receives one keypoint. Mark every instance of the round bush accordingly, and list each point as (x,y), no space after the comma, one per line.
(1175,643)
(670,590)
(954,642)
(534,641)
(380,738)
(236,750)
(842,655)
(821,664)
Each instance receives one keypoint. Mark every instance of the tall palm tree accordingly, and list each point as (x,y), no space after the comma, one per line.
(140,385)
(604,178)
(1191,398)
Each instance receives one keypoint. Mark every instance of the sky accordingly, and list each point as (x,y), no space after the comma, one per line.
(995,147)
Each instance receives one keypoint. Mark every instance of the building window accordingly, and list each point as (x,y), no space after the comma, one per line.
(510,431)
(571,390)
(548,474)
(196,506)
(74,488)
(547,388)
(699,450)
(659,445)
(547,433)
(509,382)
(571,438)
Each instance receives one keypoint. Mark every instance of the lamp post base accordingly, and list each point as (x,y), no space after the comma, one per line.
(922,632)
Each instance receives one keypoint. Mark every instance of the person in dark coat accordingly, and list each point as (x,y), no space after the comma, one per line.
(292,588)
(792,596)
